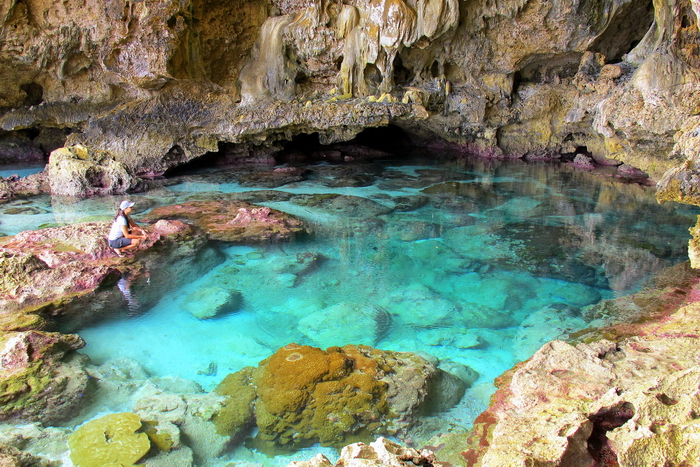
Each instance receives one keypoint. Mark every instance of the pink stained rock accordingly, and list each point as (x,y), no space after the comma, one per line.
(624,396)
(233,221)
(51,271)
(41,378)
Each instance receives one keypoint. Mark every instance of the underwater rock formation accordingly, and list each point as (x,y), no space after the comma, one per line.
(112,439)
(304,395)
(212,301)
(625,393)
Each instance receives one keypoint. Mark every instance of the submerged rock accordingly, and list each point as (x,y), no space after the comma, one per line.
(357,323)
(212,301)
(342,205)
(305,395)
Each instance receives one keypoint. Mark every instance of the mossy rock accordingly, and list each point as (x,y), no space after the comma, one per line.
(237,413)
(308,395)
(109,441)
(159,439)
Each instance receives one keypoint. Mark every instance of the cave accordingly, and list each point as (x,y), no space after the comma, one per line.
(35,93)
(389,141)
(626,30)
(451,218)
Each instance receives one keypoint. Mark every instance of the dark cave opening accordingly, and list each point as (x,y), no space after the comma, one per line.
(625,31)
(34,92)
(607,419)
(372,143)
(402,75)
(305,148)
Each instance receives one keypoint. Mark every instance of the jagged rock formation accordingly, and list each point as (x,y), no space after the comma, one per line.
(626,395)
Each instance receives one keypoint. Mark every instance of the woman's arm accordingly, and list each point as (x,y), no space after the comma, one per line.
(132,225)
(126,233)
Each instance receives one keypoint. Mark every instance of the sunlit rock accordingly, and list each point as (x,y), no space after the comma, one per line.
(304,394)
(624,399)
(233,221)
(80,172)
(42,378)
(59,270)
(379,453)
(268,73)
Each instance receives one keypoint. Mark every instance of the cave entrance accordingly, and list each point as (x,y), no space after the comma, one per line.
(372,143)
(625,31)
(305,148)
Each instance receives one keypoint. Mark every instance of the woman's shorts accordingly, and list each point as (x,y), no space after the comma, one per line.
(121,242)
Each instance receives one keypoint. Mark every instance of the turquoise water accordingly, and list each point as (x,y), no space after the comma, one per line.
(22,170)
(475,265)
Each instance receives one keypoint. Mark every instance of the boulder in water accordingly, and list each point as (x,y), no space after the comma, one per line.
(344,323)
(212,301)
(305,395)
(81,172)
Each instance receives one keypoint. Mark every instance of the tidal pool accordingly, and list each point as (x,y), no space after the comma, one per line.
(475,264)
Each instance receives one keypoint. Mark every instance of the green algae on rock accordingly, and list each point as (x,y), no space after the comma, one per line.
(41,377)
(303,395)
(109,440)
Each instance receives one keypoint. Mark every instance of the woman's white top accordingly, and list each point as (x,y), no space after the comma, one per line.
(116,231)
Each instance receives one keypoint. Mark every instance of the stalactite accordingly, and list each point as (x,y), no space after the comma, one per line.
(268,73)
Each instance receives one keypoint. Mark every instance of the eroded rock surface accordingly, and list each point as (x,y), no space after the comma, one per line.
(305,395)
(381,452)
(158,85)
(41,377)
(628,397)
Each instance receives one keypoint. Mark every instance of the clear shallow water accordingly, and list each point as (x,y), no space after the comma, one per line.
(475,265)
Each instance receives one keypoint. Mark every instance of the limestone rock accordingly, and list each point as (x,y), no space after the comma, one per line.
(379,453)
(212,301)
(109,438)
(41,378)
(59,270)
(149,86)
(628,400)
(80,172)
(305,394)
(233,221)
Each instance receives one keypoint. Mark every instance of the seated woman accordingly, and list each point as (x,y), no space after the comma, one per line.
(125,234)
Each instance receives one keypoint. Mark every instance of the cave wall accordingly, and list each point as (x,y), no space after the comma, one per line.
(158,83)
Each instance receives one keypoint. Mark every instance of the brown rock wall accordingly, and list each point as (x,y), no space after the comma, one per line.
(504,79)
